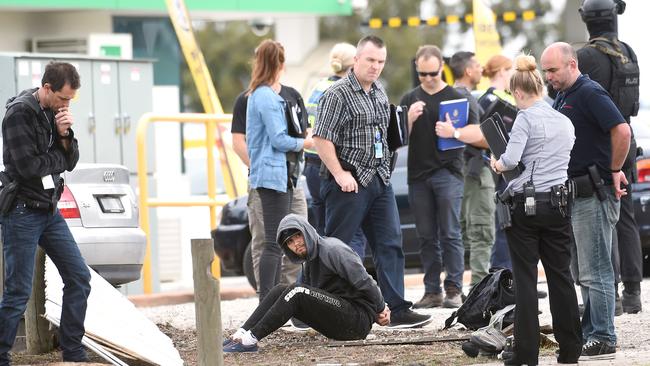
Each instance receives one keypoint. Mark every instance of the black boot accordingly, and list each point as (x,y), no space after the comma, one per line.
(631,297)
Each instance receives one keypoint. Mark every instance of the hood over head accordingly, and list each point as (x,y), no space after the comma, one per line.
(289,226)
(26,96)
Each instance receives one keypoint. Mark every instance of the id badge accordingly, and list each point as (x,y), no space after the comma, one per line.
(48,182)
(379,150)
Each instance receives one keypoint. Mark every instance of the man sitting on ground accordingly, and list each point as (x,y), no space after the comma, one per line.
(335,296)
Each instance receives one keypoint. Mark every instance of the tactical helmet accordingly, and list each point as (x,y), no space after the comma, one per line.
(601,10)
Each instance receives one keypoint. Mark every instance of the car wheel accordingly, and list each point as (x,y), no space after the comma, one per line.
(247,265)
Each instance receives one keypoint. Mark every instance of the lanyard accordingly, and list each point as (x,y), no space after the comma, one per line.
(38,100)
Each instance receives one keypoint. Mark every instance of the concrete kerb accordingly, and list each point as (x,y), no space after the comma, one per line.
(181,297)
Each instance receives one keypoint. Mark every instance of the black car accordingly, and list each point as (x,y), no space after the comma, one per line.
(232,236)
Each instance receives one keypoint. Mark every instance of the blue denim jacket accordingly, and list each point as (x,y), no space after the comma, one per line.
(267,140)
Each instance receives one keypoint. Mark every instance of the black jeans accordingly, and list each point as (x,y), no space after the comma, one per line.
(275,206)
(545,236)
(328,314)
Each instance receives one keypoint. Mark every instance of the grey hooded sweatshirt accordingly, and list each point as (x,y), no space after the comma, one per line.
(332,266)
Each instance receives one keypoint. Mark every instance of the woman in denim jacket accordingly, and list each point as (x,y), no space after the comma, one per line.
(268,142)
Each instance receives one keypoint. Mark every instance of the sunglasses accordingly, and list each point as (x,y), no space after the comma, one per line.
(433,74)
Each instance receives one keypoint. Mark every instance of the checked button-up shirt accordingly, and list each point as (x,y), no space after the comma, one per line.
(354,121)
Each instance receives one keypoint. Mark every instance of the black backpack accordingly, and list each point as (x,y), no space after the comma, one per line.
(624,87)
(494,292)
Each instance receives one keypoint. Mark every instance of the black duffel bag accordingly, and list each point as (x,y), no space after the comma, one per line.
(494,292)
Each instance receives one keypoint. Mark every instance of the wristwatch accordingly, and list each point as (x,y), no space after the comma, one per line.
(457,134)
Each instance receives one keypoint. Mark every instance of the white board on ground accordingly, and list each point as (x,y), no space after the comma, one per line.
(112,321)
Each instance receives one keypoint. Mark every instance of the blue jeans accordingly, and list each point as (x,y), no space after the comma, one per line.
(593,222)
(436,204)
(373,209)
(311,172)
(22,230)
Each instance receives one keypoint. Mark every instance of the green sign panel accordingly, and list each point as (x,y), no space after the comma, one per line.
(318,7)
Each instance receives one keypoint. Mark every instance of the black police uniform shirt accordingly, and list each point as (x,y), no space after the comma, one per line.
(593,114)
(239,109)
(424,158)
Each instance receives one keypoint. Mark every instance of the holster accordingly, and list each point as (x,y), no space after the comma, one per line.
(503,202)
(56,194)
(584,187)
(589,184)
(561,199)
(8,193)
(599,185)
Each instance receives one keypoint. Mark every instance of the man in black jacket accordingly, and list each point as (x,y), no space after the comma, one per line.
(39,145)
(613,64)
(336,296)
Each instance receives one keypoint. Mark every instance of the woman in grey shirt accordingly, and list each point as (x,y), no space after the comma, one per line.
(541,139)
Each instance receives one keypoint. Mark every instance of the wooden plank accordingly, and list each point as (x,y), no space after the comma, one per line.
(388,342)
(39,337)
(113,319)
(207,304)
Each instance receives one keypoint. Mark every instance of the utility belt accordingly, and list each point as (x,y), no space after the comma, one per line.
(36,205)
(539,197)
(560,196)
(591,183)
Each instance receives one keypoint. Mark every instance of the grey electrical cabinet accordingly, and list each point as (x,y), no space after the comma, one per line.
(114,94)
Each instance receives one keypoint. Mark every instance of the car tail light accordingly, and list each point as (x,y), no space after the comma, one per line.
(643,169)
(68,206)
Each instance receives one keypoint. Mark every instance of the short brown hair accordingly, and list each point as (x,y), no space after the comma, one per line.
(268,61)
(378,42)
(427,51)
(57,74)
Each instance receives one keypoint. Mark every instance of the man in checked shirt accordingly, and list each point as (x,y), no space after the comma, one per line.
(350,137)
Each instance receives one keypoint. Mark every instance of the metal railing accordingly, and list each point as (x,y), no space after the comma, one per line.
(212,201)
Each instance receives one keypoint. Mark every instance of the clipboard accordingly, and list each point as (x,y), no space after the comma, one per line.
(497,137)
(398,133)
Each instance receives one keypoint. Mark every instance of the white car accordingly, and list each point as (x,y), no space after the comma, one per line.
(101,210)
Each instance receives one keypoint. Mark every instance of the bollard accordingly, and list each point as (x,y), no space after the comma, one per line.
(207,304)
(39,338)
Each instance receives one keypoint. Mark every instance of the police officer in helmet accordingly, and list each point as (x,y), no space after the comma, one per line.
(613,64)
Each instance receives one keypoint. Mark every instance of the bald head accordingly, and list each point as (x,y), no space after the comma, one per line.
(562,50)
(560,65)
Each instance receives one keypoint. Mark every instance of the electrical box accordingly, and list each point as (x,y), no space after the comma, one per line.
(114,94)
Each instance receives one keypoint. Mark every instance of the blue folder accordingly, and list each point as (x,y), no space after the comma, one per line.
(458,110)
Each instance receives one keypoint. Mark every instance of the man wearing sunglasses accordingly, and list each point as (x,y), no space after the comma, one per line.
(435,181)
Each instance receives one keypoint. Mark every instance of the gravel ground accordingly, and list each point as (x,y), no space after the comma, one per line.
(286,347)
